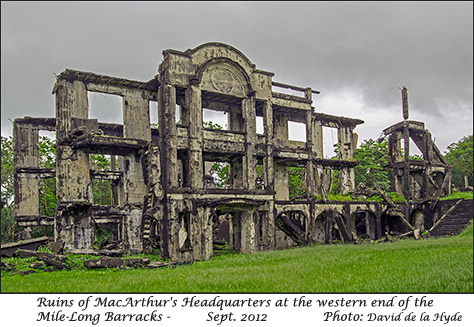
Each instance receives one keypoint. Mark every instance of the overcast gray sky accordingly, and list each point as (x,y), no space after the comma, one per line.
(358,54)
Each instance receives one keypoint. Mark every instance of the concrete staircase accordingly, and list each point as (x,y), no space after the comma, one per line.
(456,220)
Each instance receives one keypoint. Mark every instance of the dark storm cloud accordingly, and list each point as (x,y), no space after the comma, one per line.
(369,49)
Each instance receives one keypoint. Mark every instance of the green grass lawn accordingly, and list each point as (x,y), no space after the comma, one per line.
(434,265)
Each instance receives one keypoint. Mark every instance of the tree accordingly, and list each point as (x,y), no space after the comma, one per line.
(459,156)
(48,200)
(372,169)
(7,221)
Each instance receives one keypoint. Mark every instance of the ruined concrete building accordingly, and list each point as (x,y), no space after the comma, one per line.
(420,179)
(163,195)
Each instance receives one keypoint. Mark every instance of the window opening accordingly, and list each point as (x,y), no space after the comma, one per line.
(217,174)
(329,142)
(214,119)
(105,107)
(153,106)
(259,125)
(296,131)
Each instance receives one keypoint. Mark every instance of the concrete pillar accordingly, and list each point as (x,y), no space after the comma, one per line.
(234,120)
(346,152)
(168,133)
(136,116)
(397,180)
(395,147)
(268,166)
(406,171)
(250,159)
(207,236)
(318,139)
(26,155)
(280,126)
(237,173)
(346,180)
(136,125)
(72,166)
(345,142)
(194,107)
(248,233)
(282,191)
(310,179)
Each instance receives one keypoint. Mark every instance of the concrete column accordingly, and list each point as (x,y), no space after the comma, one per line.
(234,120)
(268,166)
(136,116)
(26,155)
(136,125)
(317,139)
(346,152)
(280,125)
(250,159)
(282,191)
(72,166)
(345,142)
(406,171)
(394,147)
(397,180)
(310,182)
(196,232)
(237,173)
(248,234)
(207,236)
(346,180)
(168,133)
(194,107)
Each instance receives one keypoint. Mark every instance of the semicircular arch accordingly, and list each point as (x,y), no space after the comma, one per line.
(222,75)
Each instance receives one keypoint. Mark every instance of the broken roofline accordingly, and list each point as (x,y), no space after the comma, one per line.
(151,85)
(88,77)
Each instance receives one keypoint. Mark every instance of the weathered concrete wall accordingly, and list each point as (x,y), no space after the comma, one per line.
(26,155)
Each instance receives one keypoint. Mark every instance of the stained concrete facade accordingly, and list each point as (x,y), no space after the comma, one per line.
(164,196)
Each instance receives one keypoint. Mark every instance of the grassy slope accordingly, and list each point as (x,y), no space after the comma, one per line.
(424,266)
